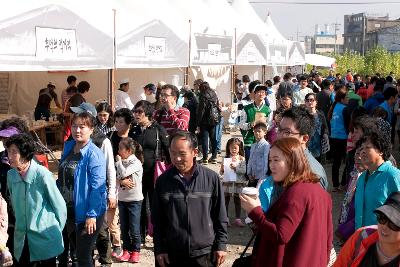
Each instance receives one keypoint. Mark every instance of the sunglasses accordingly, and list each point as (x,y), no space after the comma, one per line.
(140,111)
(310,100)
(383,219)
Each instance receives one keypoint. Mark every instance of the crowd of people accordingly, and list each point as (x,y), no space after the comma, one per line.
(138,172)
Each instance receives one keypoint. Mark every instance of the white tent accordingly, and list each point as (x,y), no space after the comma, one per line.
(55,35)
(319,60)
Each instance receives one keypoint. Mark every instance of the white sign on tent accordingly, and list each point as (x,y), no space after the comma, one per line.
(56,43)
(154,47)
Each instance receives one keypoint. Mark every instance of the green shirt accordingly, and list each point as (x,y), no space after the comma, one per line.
(352,95)
(251,110)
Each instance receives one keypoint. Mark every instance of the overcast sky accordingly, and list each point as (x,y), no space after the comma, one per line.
(291,18)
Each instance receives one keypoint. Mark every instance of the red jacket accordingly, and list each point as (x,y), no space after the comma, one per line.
(297,229)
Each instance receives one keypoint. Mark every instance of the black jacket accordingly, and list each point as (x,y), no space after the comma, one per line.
(205,98)
(189,221)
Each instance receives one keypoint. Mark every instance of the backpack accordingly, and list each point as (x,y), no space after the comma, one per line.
(213,113)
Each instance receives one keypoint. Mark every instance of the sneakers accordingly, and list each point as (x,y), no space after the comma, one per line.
(117,252)
(239,223)
(213,160)
(134,257)
(125,256)
(204,162)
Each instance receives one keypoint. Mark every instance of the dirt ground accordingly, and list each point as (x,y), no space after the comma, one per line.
(237,236)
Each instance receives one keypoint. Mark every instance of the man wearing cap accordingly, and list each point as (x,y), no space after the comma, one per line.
(122,98)
(149,93)
(377,245)
(42,110)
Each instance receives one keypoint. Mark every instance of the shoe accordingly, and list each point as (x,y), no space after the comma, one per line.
(117,252)
(204,162)
(213,161)
(125,256)
(239,223)
(134,257)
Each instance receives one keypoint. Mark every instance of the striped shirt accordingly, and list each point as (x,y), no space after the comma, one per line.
(173,120)
(104,128)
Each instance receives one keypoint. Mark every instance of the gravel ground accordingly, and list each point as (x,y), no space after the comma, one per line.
(237,237)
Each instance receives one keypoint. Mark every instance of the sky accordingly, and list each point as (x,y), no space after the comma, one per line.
(294,20)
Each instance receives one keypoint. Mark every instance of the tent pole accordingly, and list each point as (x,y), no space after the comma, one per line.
(263,74)
(111,72)
(233,74)
(186,74)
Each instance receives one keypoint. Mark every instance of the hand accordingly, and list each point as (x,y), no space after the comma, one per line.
(162,259)
(117,158)
(219,257)
(249,203)
(251,124)
(112,203)
(233,166)
(197,130)
(90,225)
(129,183)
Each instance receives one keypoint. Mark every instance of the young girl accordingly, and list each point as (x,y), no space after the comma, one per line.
(236,162)
(104,122)
(129,176)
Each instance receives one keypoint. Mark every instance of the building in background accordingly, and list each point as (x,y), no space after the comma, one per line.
(326,41)
(363,32)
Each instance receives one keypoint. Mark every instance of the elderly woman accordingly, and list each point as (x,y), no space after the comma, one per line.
(146,131)
(375,245)
(297,228)
(39,208)
(379,180)
(82,181)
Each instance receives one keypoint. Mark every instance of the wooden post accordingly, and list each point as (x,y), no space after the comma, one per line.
(111,72)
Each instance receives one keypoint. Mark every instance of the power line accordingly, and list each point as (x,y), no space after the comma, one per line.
(325,3)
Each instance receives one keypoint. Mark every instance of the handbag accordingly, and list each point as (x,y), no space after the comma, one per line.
(325,147)
(244,261)
(160,165)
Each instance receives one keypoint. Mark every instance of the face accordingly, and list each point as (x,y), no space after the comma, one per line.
(278,165)
(386,231)
(80,131)
(287,128)
(125,88)
(103,117)
(259,95)
(234,149)
(123,151)
(286,102)
(139,115)
(357,161)
(121,125)
(167,98)
(182,155)
(14,157)
(369,154)
(259,134)
(357,134)
(311,102)
(303,83)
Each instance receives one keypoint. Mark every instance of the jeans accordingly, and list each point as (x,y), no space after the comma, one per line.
(129,214)
(208,132)
(338,149)
(85,243)
(147,204)
(218,133)
(69,237)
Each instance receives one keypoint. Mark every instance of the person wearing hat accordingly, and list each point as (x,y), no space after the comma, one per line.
(46,95)
(377,245)
(122,98)
(258,111)
(149,93)
(352,96)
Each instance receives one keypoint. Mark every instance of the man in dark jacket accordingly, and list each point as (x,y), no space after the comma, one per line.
(189,216)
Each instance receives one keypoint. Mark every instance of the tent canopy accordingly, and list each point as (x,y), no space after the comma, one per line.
(319,60)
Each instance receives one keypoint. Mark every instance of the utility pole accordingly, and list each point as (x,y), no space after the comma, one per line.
(336,25)
(363,34)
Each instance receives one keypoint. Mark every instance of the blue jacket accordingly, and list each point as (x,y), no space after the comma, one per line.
(371,193)
(40,212)
(90,194)
(389,111)
(374,101)
(338,128)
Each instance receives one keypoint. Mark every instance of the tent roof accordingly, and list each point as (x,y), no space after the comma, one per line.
(319,60)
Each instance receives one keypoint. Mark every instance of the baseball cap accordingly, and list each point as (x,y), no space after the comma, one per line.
(123,81)
(151,87)
(8,132)
(85,107)
(391,208)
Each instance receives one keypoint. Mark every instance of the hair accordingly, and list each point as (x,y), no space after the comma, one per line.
(311,94)
(268,83)
(204,86)
(198,81)
(365,123)
(185,135)
(380,142)
(246,78)
(83,87)
(302,78)
(340,95)
(253,84)
(174,89)
(277,79)
(104,106)
(389,79)
(339,86)
(25,144)
(287,76)
(303,119)
(358,111)
(18,123)
(338,74)
(326,84)
(260,125)
(379,84)
(287,94)
(133,146)
(379,112)
(124,113)
(300,170)
(389,92)
(148,108)
(234,141)
(71,79)
(86,118)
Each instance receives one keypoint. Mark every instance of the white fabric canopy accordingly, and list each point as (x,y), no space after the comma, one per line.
(319,60)
(55,35)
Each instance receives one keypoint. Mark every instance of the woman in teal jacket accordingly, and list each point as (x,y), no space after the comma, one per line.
(39,208)
(377,182)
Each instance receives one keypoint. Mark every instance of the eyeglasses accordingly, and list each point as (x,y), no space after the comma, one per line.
(140,111)
(310,100)
(383,219)
(286,132)
(165,95)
